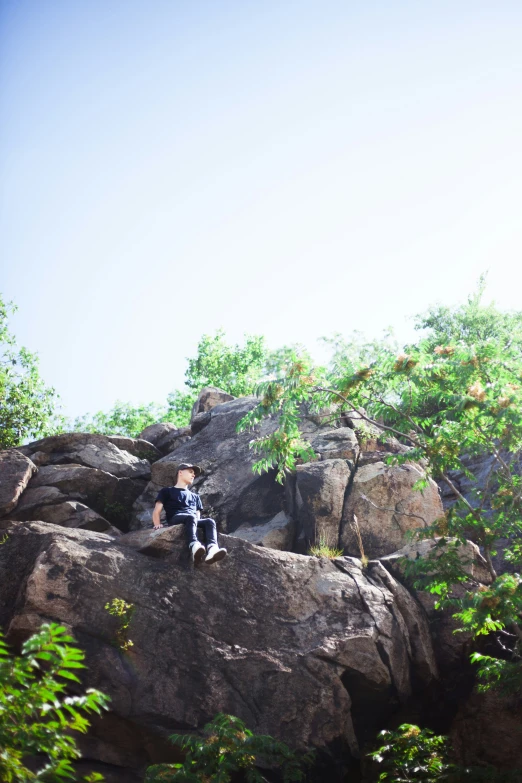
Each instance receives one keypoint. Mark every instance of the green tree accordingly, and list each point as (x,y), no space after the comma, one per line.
(456,391)
(27,405)
(122,419)
(228,747)
(37,717)
(414,755)
(237,369)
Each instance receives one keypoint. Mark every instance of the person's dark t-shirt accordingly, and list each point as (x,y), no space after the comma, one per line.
(179,501)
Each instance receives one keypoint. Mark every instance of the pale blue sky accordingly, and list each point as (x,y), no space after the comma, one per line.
(286,168)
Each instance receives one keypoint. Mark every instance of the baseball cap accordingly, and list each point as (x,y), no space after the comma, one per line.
(183,465)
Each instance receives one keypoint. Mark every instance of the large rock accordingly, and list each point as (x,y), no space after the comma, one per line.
(387,507)
(319,499)
(69,513)
(277,533)
(208,398)
(155,433)
(112,498)
(335,443)
(488,730)
(311,651)
(452,649)
(112,454)
(468,554)
(229,489)
(15,473)
(166,437)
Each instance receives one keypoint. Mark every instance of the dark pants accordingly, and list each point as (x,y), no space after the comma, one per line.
(191,527)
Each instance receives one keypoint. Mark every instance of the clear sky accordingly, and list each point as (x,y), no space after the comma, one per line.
(284,168)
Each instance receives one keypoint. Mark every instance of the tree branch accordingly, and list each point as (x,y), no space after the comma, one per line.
(367,418)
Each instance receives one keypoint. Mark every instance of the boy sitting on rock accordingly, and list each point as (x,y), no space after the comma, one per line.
(184,507)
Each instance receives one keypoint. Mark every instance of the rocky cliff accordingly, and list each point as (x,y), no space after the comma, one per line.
(318,653)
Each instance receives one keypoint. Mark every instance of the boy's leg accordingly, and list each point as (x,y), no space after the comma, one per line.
(214,552)
(197,550)
(210,529)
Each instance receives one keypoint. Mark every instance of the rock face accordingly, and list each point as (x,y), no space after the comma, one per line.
(320,499)
(112,454)
(320,491)
(309,650)
(94,479)
(277,533)
(166,437)
(230,491)
(387,507)
(208,398)
(15,472)
(488,730)
(313,651)
(469,555)
(113,481)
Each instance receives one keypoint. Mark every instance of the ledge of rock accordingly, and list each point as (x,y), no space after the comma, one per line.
(308,650)
(115,454)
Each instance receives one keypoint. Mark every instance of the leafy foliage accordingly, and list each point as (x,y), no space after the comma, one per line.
(36,714)
(122,419)
(124,612)
(453,395)
(27,405)
(227,747)
(413,754)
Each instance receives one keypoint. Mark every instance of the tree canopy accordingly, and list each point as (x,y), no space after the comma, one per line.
(456,392)
(236,369)
(27,405)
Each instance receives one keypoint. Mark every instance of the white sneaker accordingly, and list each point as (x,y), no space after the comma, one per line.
(214,553)
(197,552)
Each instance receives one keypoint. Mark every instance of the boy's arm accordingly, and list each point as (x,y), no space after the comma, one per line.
(156,521)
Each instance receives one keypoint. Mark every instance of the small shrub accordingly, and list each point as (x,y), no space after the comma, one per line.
(412,754)
(37,717)
(228,747)
(322,549)
(124,612)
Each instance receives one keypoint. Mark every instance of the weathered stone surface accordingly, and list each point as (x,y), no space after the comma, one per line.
(277,533)
(230,491)
(338,443)
(109,496)
(166,437)
(208,398)
(114,454)
(308,650)
(319,499)
(154,433)
(452,649)
(199,421)
(34,498)
(175,439)
(15,472)
(138,447)
(488,730)
(387,507)
(70,513)
(469,556)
